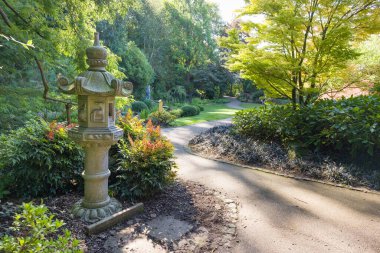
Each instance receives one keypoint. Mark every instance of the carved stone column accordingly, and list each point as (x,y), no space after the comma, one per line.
(96,203)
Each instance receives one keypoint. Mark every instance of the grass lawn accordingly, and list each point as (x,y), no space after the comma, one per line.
(250,105)
(211,112)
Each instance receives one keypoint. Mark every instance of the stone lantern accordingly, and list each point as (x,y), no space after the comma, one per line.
(96,89)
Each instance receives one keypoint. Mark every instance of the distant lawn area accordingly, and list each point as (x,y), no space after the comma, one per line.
(211,112)
(250,105)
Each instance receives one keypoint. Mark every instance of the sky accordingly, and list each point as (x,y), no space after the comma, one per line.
(227,7)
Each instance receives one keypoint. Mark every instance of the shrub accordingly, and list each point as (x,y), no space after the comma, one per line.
(162,118)
(199,101)
(190,110)
(144,114)
(348,128)
(176,113)
(39,159)
(201,108)
(145,164)
(221,100)
(139,106)
(132,126)
(37,231)
(149,103)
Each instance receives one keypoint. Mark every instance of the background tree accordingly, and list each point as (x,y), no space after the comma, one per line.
(301,45)
(136,67)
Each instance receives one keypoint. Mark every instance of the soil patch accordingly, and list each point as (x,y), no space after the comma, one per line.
(209,215)
(224,144)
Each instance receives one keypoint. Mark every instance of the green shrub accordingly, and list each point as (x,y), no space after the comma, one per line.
(347,128)
(139,106)
(162,118)
(39,159)
(199,101)
(190,110)
(176,113)
(221,100)
(144,114)
(132,126)
(37,231)
(201,108)
(257,94)
(145,162)
(149,103)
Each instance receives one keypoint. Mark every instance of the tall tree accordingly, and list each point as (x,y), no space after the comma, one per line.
(194,24)
(301,45)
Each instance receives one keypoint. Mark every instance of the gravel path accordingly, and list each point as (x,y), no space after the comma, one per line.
(278,214)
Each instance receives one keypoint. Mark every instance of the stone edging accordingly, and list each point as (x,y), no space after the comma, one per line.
(188,150)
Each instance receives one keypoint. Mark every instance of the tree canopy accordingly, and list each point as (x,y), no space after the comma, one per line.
(301,46)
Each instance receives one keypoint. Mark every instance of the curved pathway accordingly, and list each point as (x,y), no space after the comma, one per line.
(279,214)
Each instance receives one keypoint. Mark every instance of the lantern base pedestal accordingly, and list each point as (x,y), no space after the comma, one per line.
(95,214)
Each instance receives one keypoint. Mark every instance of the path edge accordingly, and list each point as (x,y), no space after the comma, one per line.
(188,150)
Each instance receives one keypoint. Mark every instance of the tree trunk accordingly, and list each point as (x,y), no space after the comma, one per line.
(294,98)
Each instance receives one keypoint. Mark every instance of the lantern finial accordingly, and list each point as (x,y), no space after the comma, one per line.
(96,39)
(96,55)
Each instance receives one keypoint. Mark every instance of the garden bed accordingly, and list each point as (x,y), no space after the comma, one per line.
(211,215)
(223,143)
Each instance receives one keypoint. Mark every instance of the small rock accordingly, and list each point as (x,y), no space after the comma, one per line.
(228,201)
(230,231)
(232,205)
(231,225)
(153,215)
(217,207)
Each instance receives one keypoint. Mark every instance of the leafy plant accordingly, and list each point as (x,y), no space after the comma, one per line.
(190,110)
(149,103)
(162,118)
(176,113)
(347,129)
(37,231)
(132,126)
(145,162)
(39,159)
(139,106)
(144,114)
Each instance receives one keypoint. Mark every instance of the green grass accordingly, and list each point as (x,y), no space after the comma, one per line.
(250,105)
(211,112)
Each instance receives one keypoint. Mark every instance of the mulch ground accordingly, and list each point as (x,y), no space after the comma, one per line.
(208,211)
(224,144)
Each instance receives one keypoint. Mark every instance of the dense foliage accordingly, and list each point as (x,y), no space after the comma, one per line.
(162,43)
(347,129)
(139,106)
(190,110)
(145,160)
(136,67)
(38,160)
(162,118)
(177,38)
(22,103)
(300,47)
(37,231)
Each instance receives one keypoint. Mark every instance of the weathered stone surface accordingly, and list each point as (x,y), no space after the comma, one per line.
(167,228)
(94,214)
(114,219)
(141,244)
